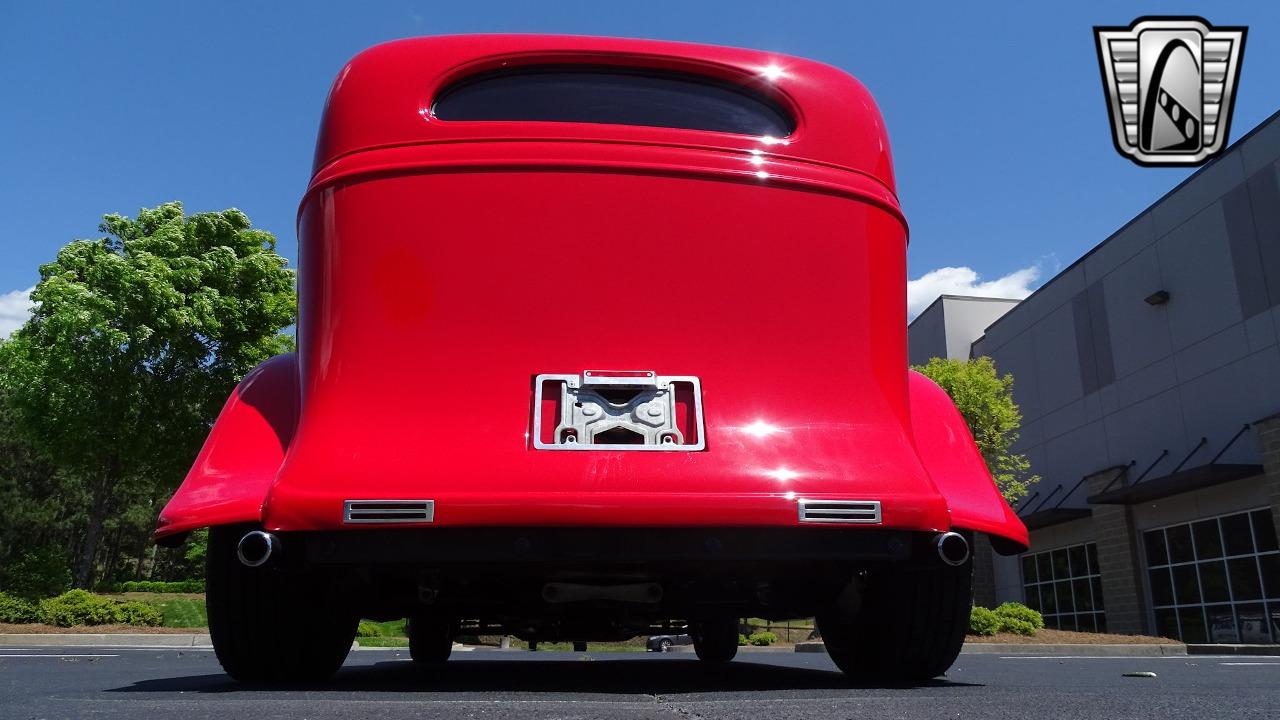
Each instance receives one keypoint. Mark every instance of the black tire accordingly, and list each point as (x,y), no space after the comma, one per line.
(430,640)
(910,628)
(579,647)
(270,625)
(715,640)
(665,644)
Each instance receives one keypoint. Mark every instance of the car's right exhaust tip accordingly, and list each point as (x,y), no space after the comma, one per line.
(953,549)
(256,548)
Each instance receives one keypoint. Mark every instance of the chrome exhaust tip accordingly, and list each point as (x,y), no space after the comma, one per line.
(256,548)
(952,548)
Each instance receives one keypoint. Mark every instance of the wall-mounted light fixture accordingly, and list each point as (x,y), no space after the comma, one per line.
(1158,297)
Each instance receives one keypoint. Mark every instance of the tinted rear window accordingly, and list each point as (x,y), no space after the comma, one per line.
(613,96)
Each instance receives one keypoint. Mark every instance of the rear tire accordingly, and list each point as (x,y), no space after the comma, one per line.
(269,625)
(715,640)
(910,628)
(430,640)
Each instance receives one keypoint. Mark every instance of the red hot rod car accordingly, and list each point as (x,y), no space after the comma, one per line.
(597,338)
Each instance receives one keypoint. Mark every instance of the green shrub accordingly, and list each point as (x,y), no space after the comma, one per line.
(1010,617)
(16,610)
(37,573)
(1017,626)
(140,613)
(368,629)
(742,640)
(79,607)
(1018,611)
(762,639)
(155,586)
(983,621)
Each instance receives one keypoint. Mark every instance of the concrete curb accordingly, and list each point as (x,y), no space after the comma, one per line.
(1068,650)
(1233,649)
(167,640)
(1046,649)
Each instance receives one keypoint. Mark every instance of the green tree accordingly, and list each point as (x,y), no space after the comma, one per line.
(135,341)
(985,399)
(39,507)
(36,573)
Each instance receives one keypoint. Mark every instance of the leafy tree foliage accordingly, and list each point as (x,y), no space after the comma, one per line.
(985,399)
(39,572)
(136,340)
(39,509)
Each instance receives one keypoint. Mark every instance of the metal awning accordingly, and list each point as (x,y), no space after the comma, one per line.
(1182,481)
(1053,516)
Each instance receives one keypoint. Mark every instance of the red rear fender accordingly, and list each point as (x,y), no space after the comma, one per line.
(950,455)
(234,470)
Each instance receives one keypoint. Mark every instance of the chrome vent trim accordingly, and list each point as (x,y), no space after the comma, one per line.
(865,512)
(388,511)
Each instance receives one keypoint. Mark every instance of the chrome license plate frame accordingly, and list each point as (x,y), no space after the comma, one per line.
(619,410)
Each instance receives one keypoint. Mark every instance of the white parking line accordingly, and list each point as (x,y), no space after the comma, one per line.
(1250,663)
(32,655)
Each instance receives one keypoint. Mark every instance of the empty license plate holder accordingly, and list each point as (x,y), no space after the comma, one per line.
(618,410)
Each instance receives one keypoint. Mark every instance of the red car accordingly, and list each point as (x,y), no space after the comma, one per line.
(598,338)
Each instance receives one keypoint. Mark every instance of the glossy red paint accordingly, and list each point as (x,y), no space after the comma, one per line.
(445,264)
(241,457)
(382,98)
(950,455)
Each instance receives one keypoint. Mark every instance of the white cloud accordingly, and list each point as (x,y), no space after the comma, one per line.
(966,281)
(15,308)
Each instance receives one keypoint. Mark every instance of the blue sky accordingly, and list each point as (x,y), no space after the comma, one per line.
(996,115)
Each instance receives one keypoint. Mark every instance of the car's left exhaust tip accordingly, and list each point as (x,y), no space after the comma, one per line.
(257,547)
(952,548)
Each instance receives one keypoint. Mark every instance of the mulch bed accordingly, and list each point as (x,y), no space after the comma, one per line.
(1068,637)
(39,629)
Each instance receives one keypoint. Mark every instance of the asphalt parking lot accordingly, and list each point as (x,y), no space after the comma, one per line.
(383,684)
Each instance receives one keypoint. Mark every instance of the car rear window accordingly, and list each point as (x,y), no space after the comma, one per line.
(617,96)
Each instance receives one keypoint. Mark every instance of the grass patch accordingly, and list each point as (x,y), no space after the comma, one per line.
(383,641)
(391,629)
(180,610)
(183,613)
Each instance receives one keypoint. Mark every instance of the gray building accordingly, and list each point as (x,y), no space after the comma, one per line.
(1148,374)
(948,327)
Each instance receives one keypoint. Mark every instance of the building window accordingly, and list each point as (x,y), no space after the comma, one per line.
(1216,580)
(1066,587)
